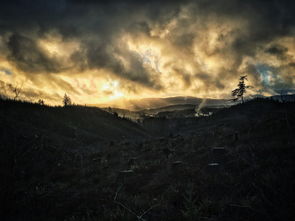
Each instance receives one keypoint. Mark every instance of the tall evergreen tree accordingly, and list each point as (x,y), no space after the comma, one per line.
(239,92)
(67,100)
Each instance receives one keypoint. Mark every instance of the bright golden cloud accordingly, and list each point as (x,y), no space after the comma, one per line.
(187,48)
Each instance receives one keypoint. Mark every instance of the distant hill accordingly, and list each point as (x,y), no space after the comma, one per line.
(284,98)
(177,107)
(154,103)
(237,116)
(146,104)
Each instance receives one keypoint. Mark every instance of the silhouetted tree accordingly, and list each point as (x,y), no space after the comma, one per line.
(67,100)
(116,114)
(16,90)
(3,93)
(239,92)
(41,102)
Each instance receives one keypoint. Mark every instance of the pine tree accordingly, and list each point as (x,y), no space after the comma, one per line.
(239,92)
(41,102)
(67,100)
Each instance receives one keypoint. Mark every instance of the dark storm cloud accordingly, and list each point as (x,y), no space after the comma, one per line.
(268,20)
(103,56)
(279,51)
(27,56)
(97,25)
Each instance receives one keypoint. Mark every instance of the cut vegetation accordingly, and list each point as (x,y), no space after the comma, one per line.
(82,163)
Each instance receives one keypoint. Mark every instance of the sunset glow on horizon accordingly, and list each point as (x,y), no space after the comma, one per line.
(125,50)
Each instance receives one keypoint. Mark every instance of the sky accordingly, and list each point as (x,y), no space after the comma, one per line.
(102,51)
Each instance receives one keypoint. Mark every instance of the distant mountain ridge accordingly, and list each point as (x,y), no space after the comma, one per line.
(155,103)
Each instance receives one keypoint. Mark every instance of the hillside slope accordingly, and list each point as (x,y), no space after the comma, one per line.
(235,165)
(73,125)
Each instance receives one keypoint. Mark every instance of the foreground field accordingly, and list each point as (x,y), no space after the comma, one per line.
(235,165)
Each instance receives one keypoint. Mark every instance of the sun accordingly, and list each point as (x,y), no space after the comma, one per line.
(111,90)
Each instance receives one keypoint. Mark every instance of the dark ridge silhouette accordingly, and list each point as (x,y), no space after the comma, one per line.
(82,163)
(79,125)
